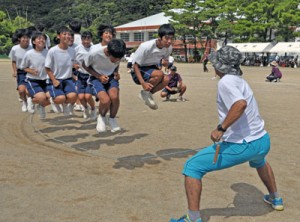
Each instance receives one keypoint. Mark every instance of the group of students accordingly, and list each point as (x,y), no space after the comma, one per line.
(73,71)
(46,77)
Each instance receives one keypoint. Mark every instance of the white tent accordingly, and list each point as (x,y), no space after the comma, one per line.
(252,47)
(286,47)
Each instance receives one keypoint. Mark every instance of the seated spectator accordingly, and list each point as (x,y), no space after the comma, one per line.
(275,73)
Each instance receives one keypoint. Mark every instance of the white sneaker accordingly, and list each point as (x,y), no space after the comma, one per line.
(101,124)
(66,110)
(114,127)
(71,109)
(77,107)
(86,112)
(30,106)
(56,108)
(93,114)
(24,107)
(42,112)
(146,96)
(181,99)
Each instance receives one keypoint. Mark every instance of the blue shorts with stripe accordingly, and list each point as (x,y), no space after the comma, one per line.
(65,87)
(97,86)
(82,84)
(35,86)
(230,154)
(146,72)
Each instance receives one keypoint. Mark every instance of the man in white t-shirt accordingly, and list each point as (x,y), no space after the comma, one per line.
(146,61)
(240,135)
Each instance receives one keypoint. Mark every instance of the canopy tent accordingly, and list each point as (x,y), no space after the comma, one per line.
(252,47)
(287,47)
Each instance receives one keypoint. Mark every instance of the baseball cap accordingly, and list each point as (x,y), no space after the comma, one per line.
(227,60)
(173,68)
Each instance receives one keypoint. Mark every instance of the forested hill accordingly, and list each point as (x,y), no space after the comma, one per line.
(55,13)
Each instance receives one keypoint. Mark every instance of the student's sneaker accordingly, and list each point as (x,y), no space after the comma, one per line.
(30,106)
(77,107)
(42,112)
(101,127)
(168,97)
(56,108)
(146,96)
(66,109)
(71,109)
(181,99)
(20,100)
(86,113)
(114,127)
(185,218)
(24,107)
(93,114)
(276,203)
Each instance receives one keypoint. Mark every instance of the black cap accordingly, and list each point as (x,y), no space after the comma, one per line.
(173,68)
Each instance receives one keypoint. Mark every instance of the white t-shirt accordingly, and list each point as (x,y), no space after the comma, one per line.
(35,60)
(60,61)
(77,39)
(99,61)
(17,54)
(171,59)
(81,53)
(149,54)
(250,126)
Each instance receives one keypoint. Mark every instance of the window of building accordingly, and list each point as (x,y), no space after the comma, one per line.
(138,36)
(152,35)
(124,37)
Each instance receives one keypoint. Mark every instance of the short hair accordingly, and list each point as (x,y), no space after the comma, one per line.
(40,27)
(16,36)
(116,48)
(86,34)
(166,29)
(106,28)
(36,35)
(75,26)
(63,29)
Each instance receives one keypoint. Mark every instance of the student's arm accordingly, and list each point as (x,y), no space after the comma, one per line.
(146,85)
(32,71)
(116,73)
(90,69)
(14,67)
(50,73)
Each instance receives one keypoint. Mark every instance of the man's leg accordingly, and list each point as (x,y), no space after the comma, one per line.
(193,188)
(159,81)
(267,176)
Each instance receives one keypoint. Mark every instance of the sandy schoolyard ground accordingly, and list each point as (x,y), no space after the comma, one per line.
(61,170)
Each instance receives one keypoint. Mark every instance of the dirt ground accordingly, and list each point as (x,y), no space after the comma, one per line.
(61,169)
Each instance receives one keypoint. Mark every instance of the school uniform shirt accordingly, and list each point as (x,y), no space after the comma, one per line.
(174,79)
(35,60)
(99,61)
(60,61)
(250,126)
(149,54)
(17,53)
(81,53)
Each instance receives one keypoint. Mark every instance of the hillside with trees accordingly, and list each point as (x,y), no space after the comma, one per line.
(235,20)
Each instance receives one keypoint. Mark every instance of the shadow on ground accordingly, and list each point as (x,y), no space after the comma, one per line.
(137,161)
(248,201)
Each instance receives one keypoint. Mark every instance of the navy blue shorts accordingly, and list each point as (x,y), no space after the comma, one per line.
(65,87)
(82,84)
(146,72)
(35,86)
(21,77)
(97,86)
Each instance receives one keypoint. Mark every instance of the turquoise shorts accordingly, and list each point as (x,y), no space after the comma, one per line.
(230,154)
